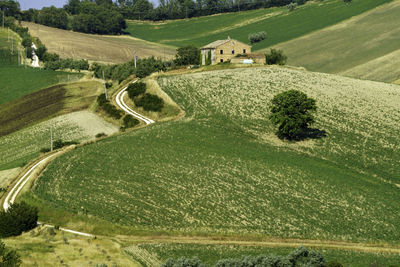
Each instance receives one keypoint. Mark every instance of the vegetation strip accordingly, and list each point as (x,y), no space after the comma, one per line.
(120,102)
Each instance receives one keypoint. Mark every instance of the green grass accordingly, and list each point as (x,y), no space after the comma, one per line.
(210,254)
(222,170)
(280,24)
(366,47)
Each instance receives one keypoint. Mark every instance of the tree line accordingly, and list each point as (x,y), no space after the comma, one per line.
(108,16)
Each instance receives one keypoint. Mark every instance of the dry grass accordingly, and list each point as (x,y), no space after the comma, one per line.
(40,247)
(101,48)
(366,46)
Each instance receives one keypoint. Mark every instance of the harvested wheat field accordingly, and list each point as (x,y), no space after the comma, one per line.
(101,48)
(221,170)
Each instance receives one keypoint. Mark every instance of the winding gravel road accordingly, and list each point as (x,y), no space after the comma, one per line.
(119,98)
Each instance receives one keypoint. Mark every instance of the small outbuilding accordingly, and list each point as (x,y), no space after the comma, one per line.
(222,51)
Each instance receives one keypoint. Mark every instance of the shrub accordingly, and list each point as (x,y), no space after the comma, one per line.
(136,89)
(276,57)
(19,217)
(150,102)
(208,59)
(44,150)
(184,262)
(257,37)
(292,6)
(130,121)
(9,257)
(99,135)
(188,55)
(291,111)
(101,100)
(112,111)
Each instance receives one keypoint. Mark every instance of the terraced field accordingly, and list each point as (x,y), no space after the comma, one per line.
(101,48)
(280,24)
(366,46)
(222,170)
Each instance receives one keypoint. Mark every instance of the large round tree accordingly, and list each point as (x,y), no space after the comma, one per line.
(292,111)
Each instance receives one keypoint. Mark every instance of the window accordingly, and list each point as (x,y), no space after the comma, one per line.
(244,51)
(221,51)
(233,52)
(221,60)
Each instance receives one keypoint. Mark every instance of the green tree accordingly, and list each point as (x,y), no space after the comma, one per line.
(53,17)
(275,57)
(8,257)
(188,55)
(18,218)
(292,112)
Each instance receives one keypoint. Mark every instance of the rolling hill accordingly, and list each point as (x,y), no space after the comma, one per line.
(100,48)
(280,24)
(366,46)
(221,170)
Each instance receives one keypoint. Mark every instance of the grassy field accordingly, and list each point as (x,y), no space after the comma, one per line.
(43,247)
(280,24)
(366,46)
(222,170)
(210,254)
(20,147)
(47,103)
(101,48)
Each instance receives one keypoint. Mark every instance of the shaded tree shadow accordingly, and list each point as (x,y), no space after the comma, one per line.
(311,133)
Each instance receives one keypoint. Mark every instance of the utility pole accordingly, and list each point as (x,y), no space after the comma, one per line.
(105,87)
(12,46)
(134,56)
(51,136)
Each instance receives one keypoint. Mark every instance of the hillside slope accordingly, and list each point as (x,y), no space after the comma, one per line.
(366,46)
(280,24)
(101,48)
(222,170)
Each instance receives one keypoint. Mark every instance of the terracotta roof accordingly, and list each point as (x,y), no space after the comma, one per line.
(217,43)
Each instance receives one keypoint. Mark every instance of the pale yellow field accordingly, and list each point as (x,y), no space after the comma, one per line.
(101,48)
(366,46)
(43,247)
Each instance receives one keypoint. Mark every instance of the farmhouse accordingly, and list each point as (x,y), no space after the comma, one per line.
(223,50)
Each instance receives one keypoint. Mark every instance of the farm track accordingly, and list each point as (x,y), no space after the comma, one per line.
(119,98)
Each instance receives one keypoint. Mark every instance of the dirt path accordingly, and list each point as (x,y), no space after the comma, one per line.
(119,99)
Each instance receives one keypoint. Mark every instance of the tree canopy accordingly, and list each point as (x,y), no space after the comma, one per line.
(188,55)
(292,112)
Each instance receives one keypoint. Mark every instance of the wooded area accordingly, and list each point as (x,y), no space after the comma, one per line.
(108,17)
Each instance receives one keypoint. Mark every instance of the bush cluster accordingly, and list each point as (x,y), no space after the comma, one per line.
(187,55)
(129,121)
(136,89)
(257,37)
(20,217)
(120,72)
(59,144)
(68,63)
(299,257)
(108,108)
(275,57)
(149,102)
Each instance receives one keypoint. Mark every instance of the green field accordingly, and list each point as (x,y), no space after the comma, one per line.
(17,81)
(366,47)
(221,170)
(280,24)
(210,254)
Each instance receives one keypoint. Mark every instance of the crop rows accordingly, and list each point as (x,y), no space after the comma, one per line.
(222,170)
